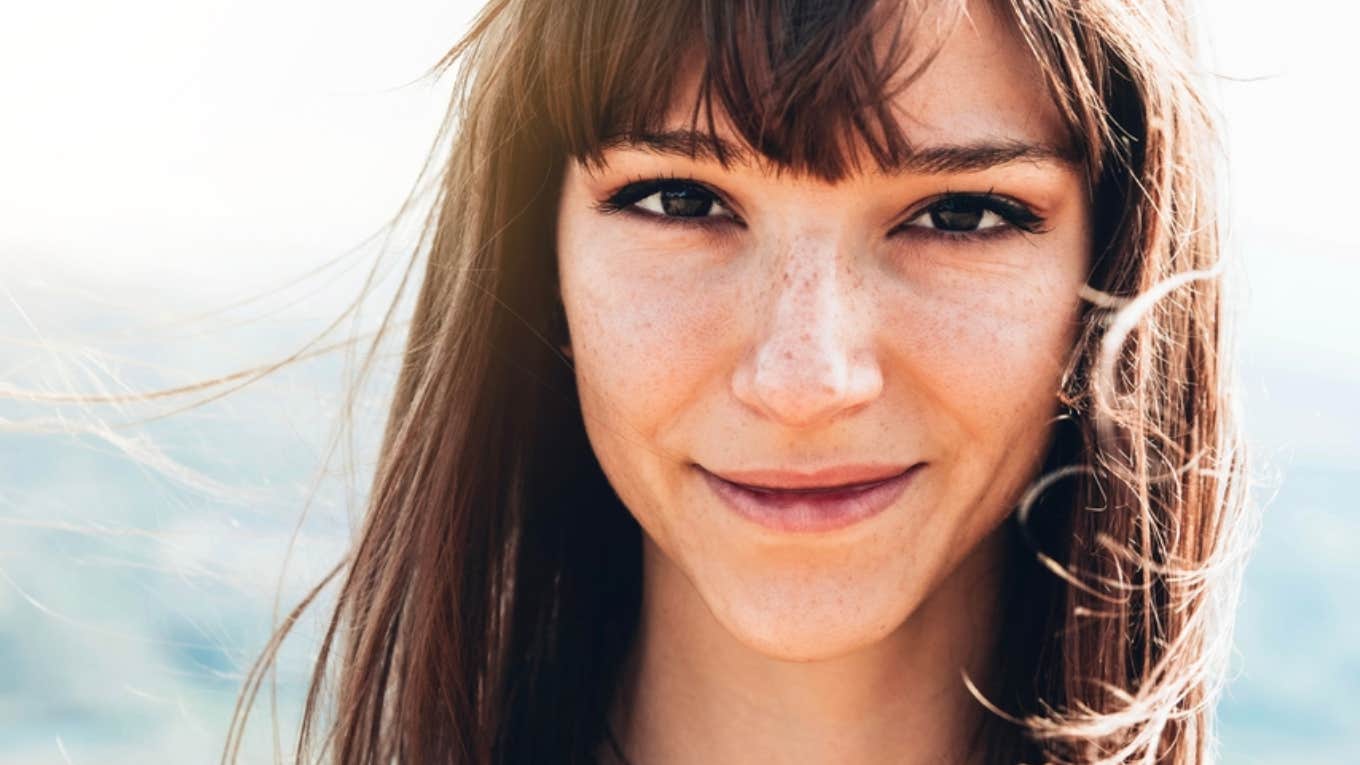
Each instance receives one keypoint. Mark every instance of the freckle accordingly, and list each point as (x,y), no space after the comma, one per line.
(807,337)
(788,355)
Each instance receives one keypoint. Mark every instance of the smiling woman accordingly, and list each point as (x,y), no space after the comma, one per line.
(804,382)
(886,344)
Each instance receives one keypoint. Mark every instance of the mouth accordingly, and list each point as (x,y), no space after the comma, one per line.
(811,502)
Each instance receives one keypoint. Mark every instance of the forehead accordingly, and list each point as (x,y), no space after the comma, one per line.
(984,83)
(967,79)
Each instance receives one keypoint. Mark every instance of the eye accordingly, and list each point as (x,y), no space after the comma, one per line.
(961,215)
(668,200)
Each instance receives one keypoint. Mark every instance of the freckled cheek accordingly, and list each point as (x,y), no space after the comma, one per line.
(992,357)
(647,341)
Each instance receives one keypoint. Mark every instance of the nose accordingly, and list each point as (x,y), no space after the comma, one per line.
(813,360)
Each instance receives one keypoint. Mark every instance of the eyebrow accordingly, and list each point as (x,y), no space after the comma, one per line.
(940,159)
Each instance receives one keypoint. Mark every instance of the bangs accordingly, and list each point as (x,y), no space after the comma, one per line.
(807,85)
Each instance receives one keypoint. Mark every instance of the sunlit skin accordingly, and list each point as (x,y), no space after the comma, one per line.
(797,325)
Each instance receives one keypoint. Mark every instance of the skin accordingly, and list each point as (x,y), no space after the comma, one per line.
(816,329)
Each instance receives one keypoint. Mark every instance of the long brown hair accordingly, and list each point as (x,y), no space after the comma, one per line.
(491,596)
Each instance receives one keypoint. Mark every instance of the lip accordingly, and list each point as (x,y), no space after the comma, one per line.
(820,501)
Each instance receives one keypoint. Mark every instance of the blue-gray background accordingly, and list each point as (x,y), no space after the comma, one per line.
(189,189)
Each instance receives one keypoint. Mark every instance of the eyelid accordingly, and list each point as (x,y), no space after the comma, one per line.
(624,199)
(1017,215)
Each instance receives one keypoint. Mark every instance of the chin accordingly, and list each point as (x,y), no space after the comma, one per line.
(803,621)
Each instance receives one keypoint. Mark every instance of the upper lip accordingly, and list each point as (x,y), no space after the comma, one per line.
(823,479)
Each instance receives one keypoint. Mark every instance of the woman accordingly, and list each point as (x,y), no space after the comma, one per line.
(803,382)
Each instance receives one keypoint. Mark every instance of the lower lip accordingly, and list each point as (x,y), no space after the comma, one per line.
(811,512)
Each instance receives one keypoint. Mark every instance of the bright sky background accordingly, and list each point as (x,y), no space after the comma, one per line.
(136,126)
(159,157)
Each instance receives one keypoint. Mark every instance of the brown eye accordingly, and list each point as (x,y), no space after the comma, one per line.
(959,215)
(670,200)
(963,216)
(681,200)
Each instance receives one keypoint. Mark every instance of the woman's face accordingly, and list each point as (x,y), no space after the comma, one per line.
(743,340)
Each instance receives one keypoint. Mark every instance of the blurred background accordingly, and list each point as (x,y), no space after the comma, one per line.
(190,189)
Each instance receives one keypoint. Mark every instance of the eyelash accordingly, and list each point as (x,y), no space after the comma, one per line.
(1017,217)
(625,199)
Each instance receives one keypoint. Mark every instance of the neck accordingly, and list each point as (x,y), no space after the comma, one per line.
(693,694)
